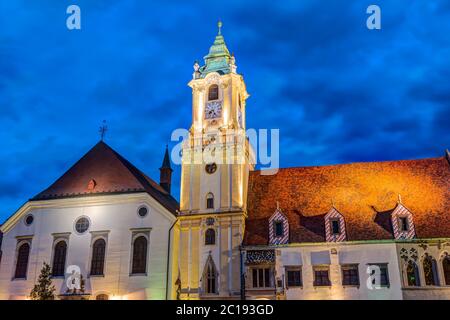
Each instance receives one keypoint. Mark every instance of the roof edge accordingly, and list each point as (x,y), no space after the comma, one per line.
(360,162)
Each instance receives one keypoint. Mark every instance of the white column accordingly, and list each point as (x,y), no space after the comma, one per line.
(230,256)
(189,257)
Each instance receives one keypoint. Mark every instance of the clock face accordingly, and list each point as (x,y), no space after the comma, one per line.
(213,110)
(211,168)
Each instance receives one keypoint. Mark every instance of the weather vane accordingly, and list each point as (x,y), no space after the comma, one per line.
(220,24)
(102,130)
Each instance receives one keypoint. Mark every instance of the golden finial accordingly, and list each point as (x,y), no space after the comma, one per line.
(219,25)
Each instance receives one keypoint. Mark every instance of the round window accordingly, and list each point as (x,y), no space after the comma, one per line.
(211,168)
(82,225)
(142,212)
(29,220)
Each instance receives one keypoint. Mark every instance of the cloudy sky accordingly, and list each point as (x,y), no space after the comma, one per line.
(337,91)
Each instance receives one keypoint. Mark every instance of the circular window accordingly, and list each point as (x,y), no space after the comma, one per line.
(29,220)
(142,212)
(211,168)
(82,225)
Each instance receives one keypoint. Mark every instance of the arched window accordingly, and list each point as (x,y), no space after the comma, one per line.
(430,271)
(139,255)
(412,275)
(210,201)
(59,259)
(210,237)
(102,297)
(210,277)
(98,257)
(446,270)
(213,92)
(22,261)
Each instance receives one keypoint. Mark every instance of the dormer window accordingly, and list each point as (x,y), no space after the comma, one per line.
(278,228)
(213,92)
(403,224)
(278,225)
(335,227)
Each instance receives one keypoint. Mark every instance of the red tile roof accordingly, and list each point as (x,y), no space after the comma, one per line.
(109,173)
(365,194)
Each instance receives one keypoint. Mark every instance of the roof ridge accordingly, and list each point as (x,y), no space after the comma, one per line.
(357,163)
(115,175)
(70,168)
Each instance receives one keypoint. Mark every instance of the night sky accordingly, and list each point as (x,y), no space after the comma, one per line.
(337,91)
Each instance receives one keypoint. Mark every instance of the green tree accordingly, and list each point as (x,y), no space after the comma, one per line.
(44,289)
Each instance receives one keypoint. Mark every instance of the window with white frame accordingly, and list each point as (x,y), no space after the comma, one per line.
(262,277)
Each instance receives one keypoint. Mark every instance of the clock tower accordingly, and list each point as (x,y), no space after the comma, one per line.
(216,161)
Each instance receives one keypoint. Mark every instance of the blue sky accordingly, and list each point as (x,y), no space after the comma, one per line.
(338,92)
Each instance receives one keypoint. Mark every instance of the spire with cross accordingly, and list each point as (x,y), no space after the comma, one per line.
(102,130)
(219,25)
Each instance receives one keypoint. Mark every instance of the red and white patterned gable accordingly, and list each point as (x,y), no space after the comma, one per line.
(401,212)
(334,215)
(278,217)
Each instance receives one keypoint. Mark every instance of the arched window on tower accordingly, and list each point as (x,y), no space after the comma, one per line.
(210,237)
(430,271)
(139,255)
(210,277)
(446,269)
(22,261)
(59,259)
(98,257)
(210,201)
(412,274)
(213,92)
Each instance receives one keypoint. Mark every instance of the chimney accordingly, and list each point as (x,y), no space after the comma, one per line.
(165,172)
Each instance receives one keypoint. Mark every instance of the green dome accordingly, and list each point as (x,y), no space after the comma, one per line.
(218,58)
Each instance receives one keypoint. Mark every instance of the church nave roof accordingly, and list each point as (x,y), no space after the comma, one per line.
(103,171)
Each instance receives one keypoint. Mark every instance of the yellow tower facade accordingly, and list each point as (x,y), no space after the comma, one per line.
(216,160)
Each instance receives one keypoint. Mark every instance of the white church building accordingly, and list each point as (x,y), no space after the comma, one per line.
(105,217)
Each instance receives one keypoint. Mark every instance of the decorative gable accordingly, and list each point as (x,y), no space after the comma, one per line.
(278,228)
(402,223)
(335,226)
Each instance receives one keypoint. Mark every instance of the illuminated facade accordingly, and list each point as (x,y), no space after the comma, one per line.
(103,216)
(217,159)
(334,232)
(376,230)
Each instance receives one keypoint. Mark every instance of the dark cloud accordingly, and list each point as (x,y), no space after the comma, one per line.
(337,91)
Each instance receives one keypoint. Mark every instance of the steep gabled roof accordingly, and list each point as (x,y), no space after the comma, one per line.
(364,193)
(108,173)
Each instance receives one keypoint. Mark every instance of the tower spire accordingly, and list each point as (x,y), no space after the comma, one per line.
(218,58)
(165,172)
